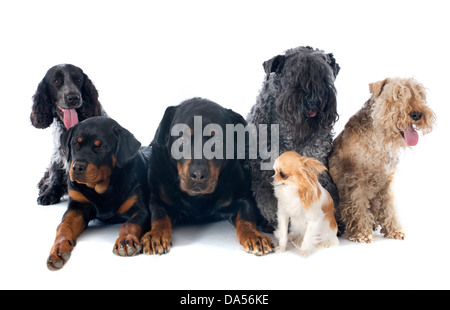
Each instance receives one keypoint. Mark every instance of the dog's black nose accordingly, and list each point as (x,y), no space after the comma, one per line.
(198,171)
(198,175)
(79,168)
(416,115)
(72,99)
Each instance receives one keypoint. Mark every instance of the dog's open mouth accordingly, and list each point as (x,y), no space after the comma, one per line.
(70,117)
(410,135)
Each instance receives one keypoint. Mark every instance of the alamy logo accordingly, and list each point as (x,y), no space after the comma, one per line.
(251,142)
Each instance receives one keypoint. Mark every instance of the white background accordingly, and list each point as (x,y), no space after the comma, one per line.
(146,55)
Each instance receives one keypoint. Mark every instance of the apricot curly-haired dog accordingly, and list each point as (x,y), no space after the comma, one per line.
(366,153)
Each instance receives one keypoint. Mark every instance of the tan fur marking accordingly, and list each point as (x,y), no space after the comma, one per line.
(77,196)
(328,209)
(96,178)
(183,169)
(250,238)
(127,204)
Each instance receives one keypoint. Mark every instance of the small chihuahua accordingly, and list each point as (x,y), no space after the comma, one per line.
(303,203)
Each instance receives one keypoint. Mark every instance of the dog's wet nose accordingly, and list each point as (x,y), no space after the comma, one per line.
(79,168)
(198,172)
(198,175)
(72,99)
(416,115)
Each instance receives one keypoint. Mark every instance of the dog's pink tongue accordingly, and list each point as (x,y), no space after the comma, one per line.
(311,114)
(411,136)
(70,118)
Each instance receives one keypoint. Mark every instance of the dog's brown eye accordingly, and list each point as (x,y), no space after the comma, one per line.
(57,82)
(283,176)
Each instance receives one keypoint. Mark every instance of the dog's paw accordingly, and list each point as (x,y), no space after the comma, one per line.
(363,238)
(305,252)
(280,249)
(257,243)
(60,253)
(127,246)
(398,235)
(45,200)
(157,242)
(327,243)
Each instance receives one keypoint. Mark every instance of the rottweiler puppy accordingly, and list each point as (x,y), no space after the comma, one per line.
(192,179)
(107,181)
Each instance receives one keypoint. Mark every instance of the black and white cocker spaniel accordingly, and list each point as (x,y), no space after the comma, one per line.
(64,97)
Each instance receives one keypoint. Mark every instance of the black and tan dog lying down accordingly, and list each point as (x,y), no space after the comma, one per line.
(191,179)
(107,181)
(113,179)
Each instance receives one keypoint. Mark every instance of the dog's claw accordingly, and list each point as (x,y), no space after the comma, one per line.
(156,242)
(127,246)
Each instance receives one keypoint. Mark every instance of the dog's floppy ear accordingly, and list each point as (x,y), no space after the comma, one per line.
(333,64)
(162,134)
(274,64)
(65,141)
(90,97)
(42,109)
(237,118)
(127,145)
(377,87)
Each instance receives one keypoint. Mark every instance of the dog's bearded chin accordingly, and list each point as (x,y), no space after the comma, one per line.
(410,135)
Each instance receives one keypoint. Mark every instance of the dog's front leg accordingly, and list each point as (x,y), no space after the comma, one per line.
(250,238)
(74,222)
(390,225)
(130,233)
(281,234)
(129,241)
(159,239)
(308,240)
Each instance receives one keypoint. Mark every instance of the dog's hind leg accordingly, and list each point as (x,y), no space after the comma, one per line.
(53,185)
